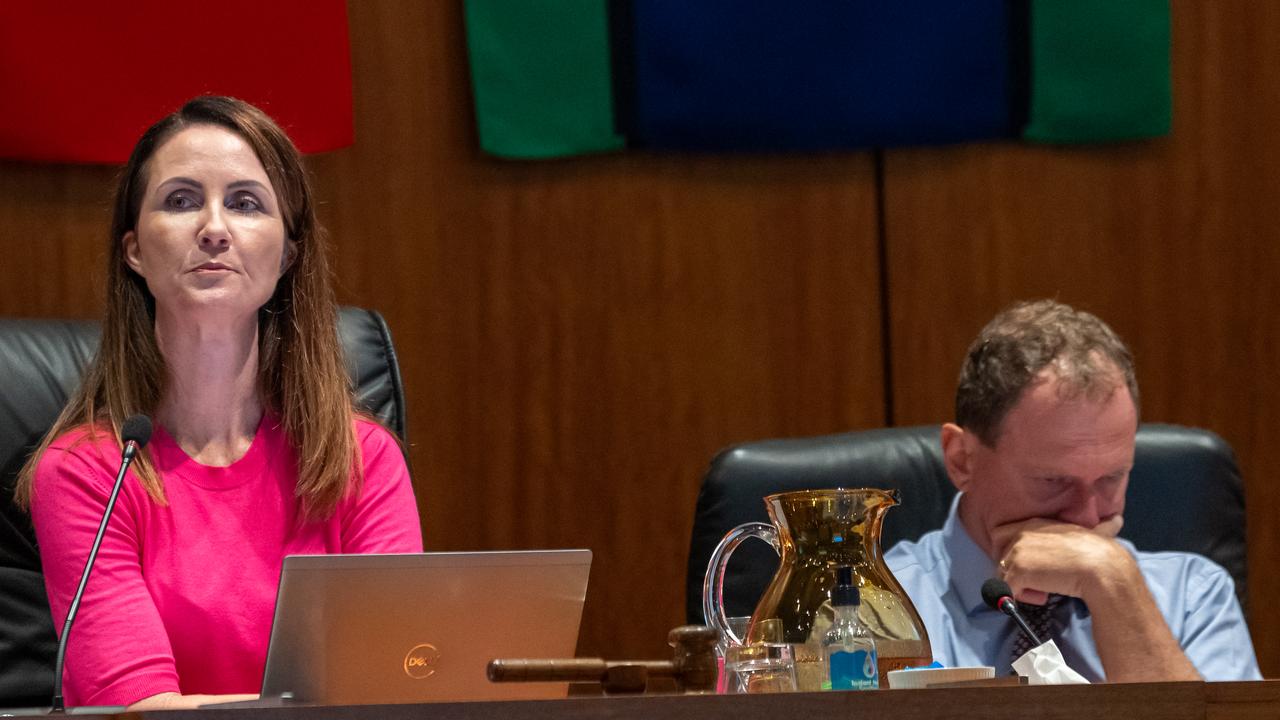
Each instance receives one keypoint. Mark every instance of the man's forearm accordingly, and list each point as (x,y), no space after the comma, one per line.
(1134,643)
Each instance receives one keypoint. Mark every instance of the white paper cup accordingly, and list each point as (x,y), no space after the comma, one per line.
(908,679)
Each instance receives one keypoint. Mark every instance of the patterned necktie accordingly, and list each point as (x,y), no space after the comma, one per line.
(1041,620)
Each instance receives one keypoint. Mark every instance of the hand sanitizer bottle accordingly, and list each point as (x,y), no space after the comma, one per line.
(848,649)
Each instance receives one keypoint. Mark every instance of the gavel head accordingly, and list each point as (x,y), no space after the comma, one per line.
(695,657)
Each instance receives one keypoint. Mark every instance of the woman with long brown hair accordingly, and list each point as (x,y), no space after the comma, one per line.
(220,324)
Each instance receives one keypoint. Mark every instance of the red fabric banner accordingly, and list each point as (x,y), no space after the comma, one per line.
(80,80)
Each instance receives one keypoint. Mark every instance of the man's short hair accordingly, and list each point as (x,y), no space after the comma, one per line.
(1020,342)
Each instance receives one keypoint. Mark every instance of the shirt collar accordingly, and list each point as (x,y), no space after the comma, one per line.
(970,566)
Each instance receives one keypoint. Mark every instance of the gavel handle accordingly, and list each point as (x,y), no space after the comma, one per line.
(570,670)
(693,669)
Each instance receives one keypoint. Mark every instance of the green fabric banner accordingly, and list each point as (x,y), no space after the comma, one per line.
(541,77)
(1099,70)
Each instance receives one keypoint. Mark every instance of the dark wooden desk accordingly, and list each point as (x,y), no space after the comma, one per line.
(1242,700)
(1138,701)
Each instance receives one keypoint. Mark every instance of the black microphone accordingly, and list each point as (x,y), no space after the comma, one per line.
(998,596)
(135,434)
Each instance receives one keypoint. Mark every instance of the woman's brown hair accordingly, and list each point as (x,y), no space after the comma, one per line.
(300,366)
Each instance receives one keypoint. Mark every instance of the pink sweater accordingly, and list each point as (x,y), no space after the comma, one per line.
(181,597)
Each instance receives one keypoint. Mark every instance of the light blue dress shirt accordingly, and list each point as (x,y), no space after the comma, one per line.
(943,574)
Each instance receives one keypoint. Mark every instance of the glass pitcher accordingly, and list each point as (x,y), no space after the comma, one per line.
(815,532)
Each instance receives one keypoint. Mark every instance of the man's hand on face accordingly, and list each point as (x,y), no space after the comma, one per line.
(1041,556)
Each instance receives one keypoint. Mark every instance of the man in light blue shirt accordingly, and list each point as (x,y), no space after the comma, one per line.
(1046,421)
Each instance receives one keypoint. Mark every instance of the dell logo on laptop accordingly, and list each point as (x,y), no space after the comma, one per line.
(421,661)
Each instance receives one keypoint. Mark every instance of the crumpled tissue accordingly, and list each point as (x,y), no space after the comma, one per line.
(1043,665)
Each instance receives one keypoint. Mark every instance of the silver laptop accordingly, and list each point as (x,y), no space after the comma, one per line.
(356,629)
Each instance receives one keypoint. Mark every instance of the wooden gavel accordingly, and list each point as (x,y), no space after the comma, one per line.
(693,666)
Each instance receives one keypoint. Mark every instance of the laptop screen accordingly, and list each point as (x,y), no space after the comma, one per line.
(359,629)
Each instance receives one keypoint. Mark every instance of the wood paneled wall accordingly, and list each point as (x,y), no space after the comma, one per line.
(579,337)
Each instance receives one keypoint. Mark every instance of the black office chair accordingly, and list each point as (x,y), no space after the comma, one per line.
(41,362)
(1185,493)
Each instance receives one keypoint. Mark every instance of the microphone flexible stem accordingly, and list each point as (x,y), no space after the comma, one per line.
(1009,609)
(130,449)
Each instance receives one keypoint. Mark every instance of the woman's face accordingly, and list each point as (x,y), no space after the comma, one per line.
(209,234)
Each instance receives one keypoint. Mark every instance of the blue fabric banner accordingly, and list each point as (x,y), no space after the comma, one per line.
(760,75)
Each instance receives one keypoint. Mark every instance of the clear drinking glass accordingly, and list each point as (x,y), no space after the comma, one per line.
(738,624)
(760,668)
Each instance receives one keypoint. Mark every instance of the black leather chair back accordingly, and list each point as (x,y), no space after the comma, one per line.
(41,362)
(1185,493)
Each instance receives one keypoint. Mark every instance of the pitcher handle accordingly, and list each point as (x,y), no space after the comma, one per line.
(713,584)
